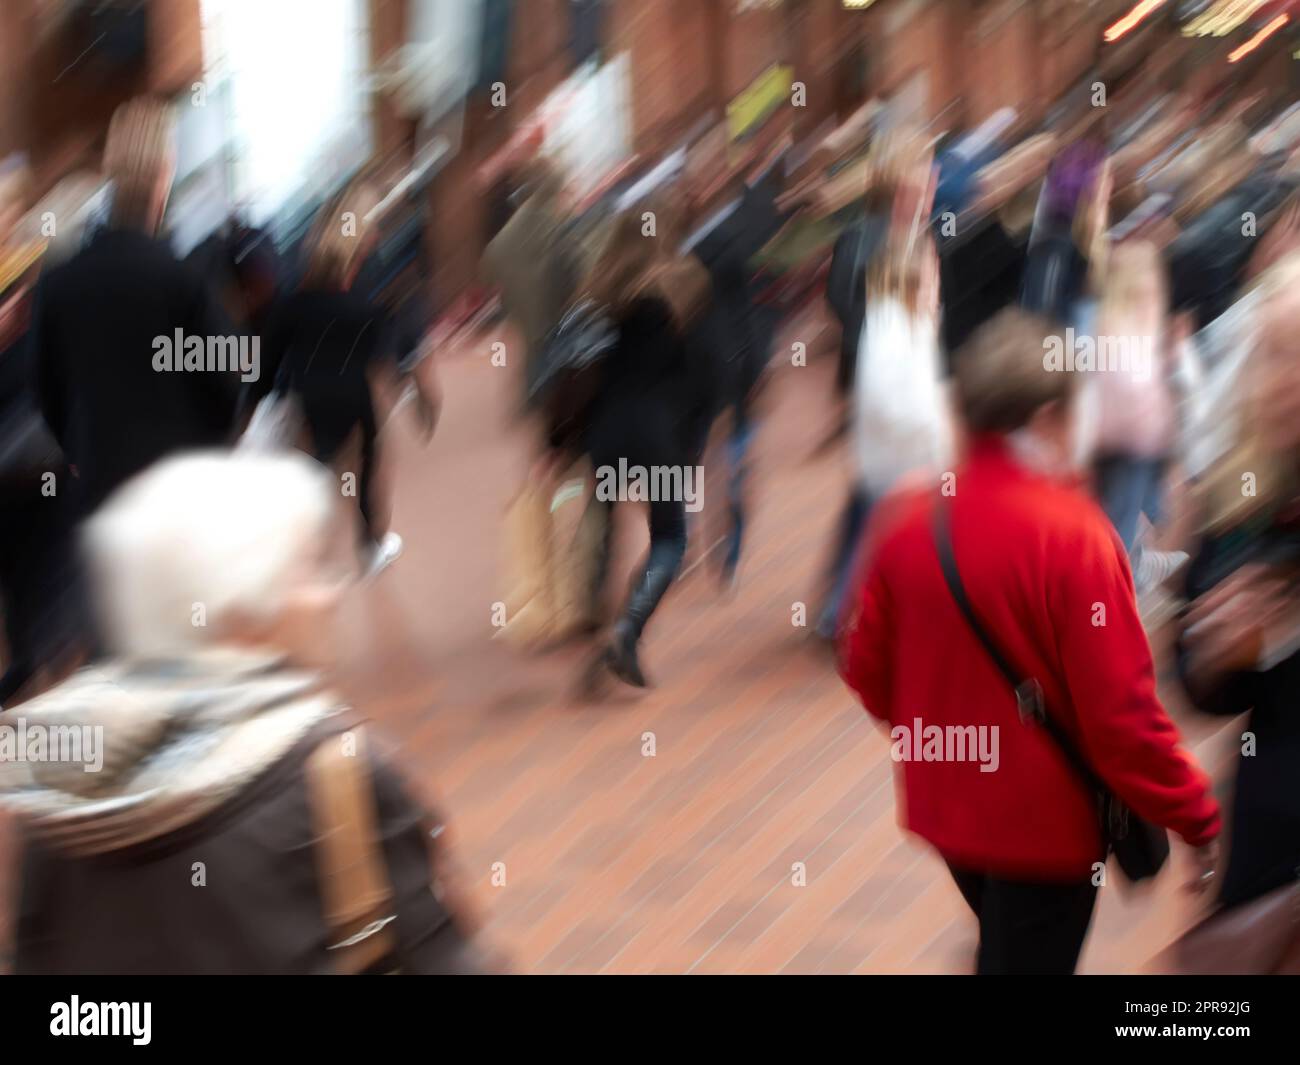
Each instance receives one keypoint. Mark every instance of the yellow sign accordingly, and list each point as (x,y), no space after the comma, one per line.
(767,92)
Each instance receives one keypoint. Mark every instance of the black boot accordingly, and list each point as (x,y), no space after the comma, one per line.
(621,657)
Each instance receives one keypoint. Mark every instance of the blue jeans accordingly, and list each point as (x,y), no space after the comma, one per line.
(1127,488)
(844,560)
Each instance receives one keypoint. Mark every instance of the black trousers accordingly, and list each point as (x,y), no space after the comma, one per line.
(1027,927)
(667,547)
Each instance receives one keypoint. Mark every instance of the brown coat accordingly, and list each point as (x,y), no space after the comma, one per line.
(536,269)
(141,910)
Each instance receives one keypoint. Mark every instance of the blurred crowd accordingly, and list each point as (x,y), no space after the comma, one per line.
(1065,393)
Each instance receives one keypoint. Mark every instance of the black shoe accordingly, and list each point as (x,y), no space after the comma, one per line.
(621,658)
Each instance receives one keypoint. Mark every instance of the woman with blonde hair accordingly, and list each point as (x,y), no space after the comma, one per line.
(1131,396)
(1239,651)
(902,423)
(874,260)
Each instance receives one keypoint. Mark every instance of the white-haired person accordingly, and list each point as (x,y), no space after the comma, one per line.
(221,810)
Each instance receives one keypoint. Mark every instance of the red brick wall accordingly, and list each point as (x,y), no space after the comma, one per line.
(674,75)
(538,61)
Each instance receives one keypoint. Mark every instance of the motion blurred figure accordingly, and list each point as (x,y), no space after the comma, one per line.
(1240,642)
(96,317)
(324,343)
(1038,560)
(650,404)
(196,828)
(1135,404)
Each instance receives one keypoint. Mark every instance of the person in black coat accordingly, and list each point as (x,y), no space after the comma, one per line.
(740,330)
(324,341)
(650,411)
(34,601)
(97,320)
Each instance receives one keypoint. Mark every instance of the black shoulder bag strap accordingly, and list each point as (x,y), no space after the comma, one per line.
(1028,692)
(1140,848)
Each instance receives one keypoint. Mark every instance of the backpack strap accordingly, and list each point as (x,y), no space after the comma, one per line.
(356,894)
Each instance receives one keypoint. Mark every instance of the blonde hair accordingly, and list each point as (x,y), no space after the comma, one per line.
(342,236)
(138,157)
(223,530)
(1223,502)
(894,160)
(632,265)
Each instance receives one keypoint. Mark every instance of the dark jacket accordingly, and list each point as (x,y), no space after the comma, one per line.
(138,911)
(741,327)
(981,270)
(649,404)
(321,345)
(1264,841)
(94,323)
(846,289)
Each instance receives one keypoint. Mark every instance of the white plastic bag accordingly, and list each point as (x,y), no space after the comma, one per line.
(902,420)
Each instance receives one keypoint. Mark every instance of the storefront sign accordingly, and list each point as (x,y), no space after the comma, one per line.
(768,91)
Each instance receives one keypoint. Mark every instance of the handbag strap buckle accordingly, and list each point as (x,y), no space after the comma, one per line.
(1029,701)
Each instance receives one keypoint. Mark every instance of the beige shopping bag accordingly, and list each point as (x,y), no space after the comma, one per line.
(552,540)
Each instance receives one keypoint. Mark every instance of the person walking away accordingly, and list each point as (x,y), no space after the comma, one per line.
(1040,564)
(645,412)
(852,262)
(1134,405)
(326,340)
(98,321)
(741,331)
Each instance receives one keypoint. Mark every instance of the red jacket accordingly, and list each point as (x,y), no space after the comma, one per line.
(1049,580)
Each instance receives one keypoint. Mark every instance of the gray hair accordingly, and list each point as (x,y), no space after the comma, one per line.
(198,538)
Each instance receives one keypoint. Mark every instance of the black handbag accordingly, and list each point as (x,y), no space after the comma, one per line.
(1140,848)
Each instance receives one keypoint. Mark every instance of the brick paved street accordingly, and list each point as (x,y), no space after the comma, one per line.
(680,862)
(616,862)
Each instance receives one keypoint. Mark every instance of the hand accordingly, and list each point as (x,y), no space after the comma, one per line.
(1206,863)
(1225,628)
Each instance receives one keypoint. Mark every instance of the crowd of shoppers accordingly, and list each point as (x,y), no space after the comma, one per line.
(994,575)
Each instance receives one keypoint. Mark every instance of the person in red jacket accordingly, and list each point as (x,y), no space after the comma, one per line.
(1049,580)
